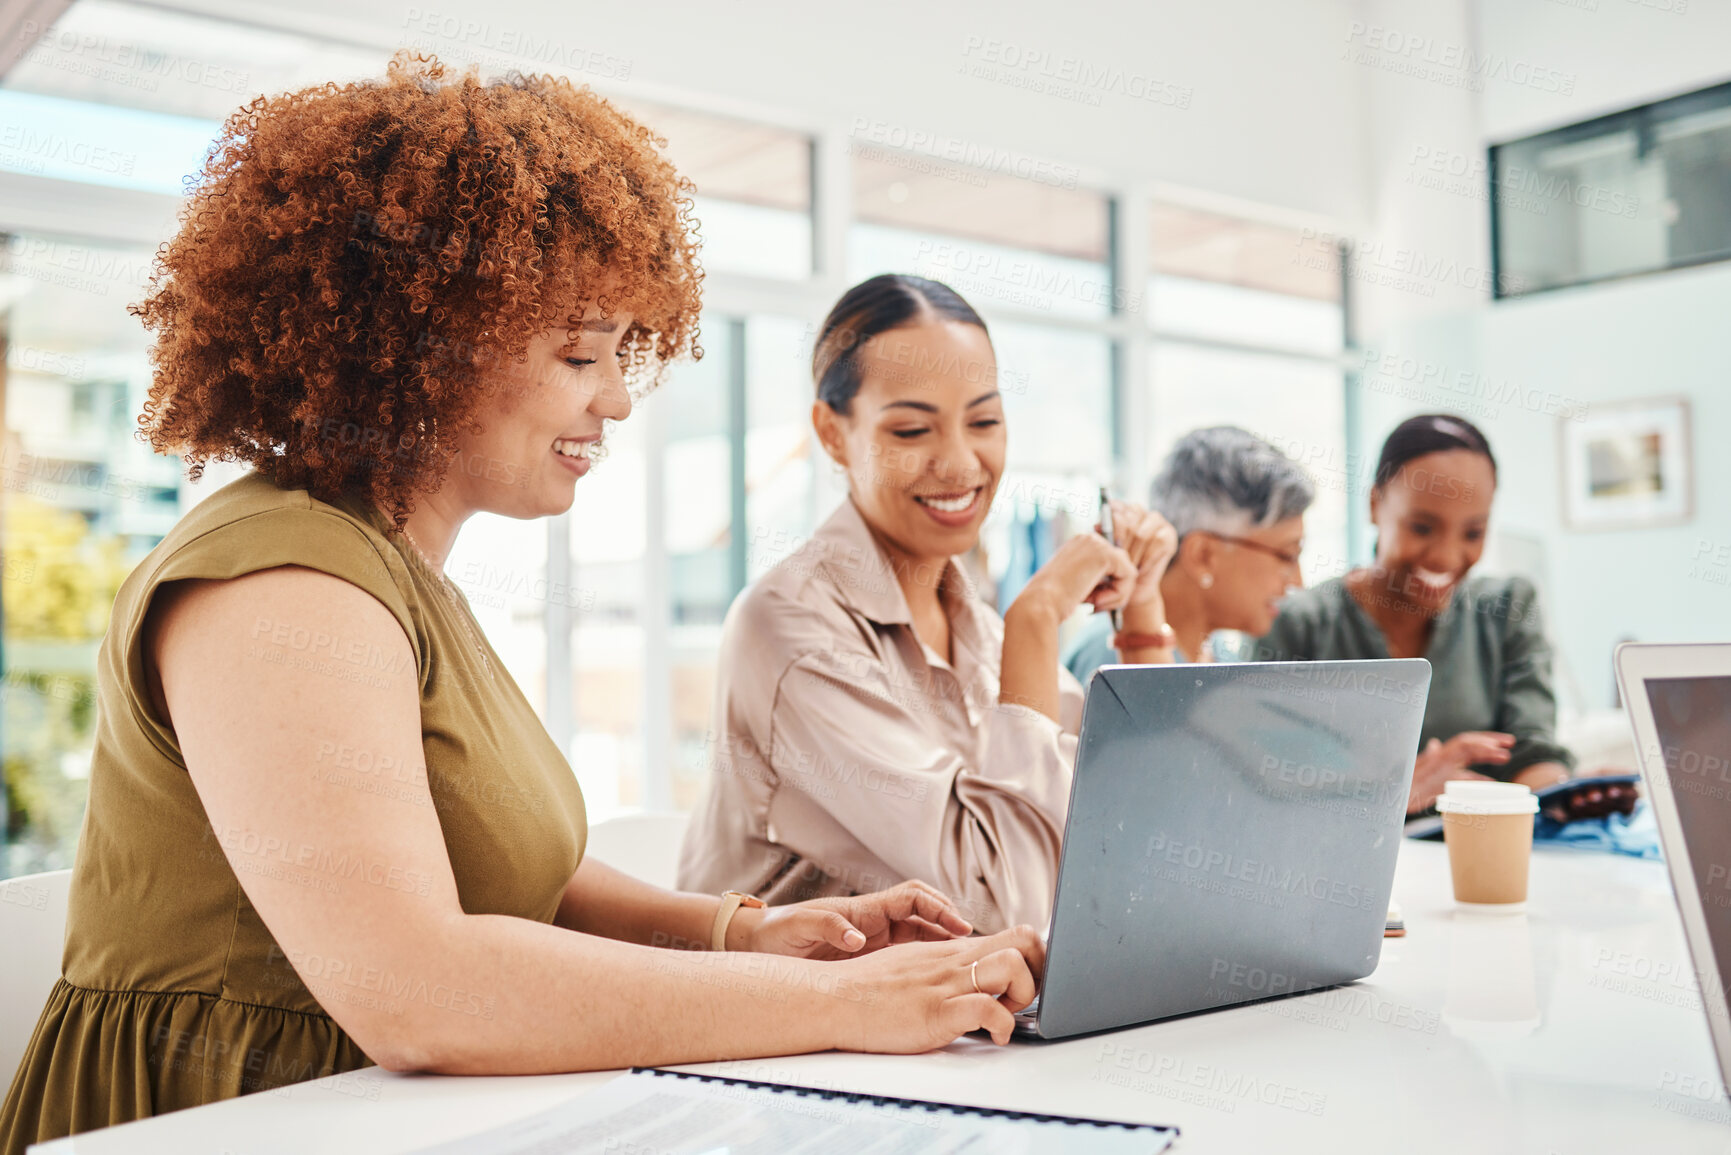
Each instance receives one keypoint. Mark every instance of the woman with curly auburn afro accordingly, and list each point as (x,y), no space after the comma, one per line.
(325,828)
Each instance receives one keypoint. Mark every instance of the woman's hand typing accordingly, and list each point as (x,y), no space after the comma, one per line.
(921,996)
(838,928)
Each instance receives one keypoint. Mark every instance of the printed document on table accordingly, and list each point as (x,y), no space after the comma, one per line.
(672,1114)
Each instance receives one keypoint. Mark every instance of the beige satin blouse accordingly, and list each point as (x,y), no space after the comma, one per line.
(848,756)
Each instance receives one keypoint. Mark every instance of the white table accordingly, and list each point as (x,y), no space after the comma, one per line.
(1573,1028)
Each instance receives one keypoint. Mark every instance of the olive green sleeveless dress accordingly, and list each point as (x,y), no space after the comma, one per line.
(173,992)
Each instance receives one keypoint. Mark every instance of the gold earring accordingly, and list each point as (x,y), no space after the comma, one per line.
(1206,581)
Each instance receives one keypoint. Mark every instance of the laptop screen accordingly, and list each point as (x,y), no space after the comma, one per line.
(1692,718)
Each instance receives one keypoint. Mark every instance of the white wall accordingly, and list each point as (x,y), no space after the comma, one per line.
(1645,336)
(1618,52)
(1272,109)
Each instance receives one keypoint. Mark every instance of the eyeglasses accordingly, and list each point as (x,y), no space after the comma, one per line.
(1287,557)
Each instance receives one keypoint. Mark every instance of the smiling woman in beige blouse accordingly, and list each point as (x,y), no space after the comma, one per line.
(875,720)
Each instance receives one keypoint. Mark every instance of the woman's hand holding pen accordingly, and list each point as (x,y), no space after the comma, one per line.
(1108,575)
(1087,568)
(1151,542)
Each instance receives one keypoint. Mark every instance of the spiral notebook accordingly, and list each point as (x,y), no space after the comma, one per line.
(674,1113)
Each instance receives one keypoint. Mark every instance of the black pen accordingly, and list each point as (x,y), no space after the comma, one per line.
(1106,532)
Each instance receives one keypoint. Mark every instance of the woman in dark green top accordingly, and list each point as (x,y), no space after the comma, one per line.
(1491,712)
(325,826)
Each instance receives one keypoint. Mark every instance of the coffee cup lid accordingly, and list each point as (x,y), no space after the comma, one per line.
(1469,797)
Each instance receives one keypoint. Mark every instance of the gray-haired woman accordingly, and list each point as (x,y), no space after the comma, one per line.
(1238,505)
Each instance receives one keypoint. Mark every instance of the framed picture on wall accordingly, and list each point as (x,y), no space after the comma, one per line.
(1627,465)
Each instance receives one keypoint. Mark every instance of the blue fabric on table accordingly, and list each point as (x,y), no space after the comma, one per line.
(1634,834)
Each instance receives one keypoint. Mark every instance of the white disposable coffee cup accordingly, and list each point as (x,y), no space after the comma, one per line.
(1488,827)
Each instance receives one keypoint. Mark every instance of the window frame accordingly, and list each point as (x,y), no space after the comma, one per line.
(1131,329)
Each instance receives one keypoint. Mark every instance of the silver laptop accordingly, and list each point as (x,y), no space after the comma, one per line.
(1231,837)
(1679,703)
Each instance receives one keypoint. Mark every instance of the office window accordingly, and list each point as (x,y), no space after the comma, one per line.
(500,564)
(753,183)
(698,508)
(1223,279)
(82,502)
(1634,192)
(1296,405)
(187,66)
(1003,242)
(609,551)
(1249,335)
(789,482)
(1057,389)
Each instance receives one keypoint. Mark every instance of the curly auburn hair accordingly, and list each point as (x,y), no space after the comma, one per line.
(355,264)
